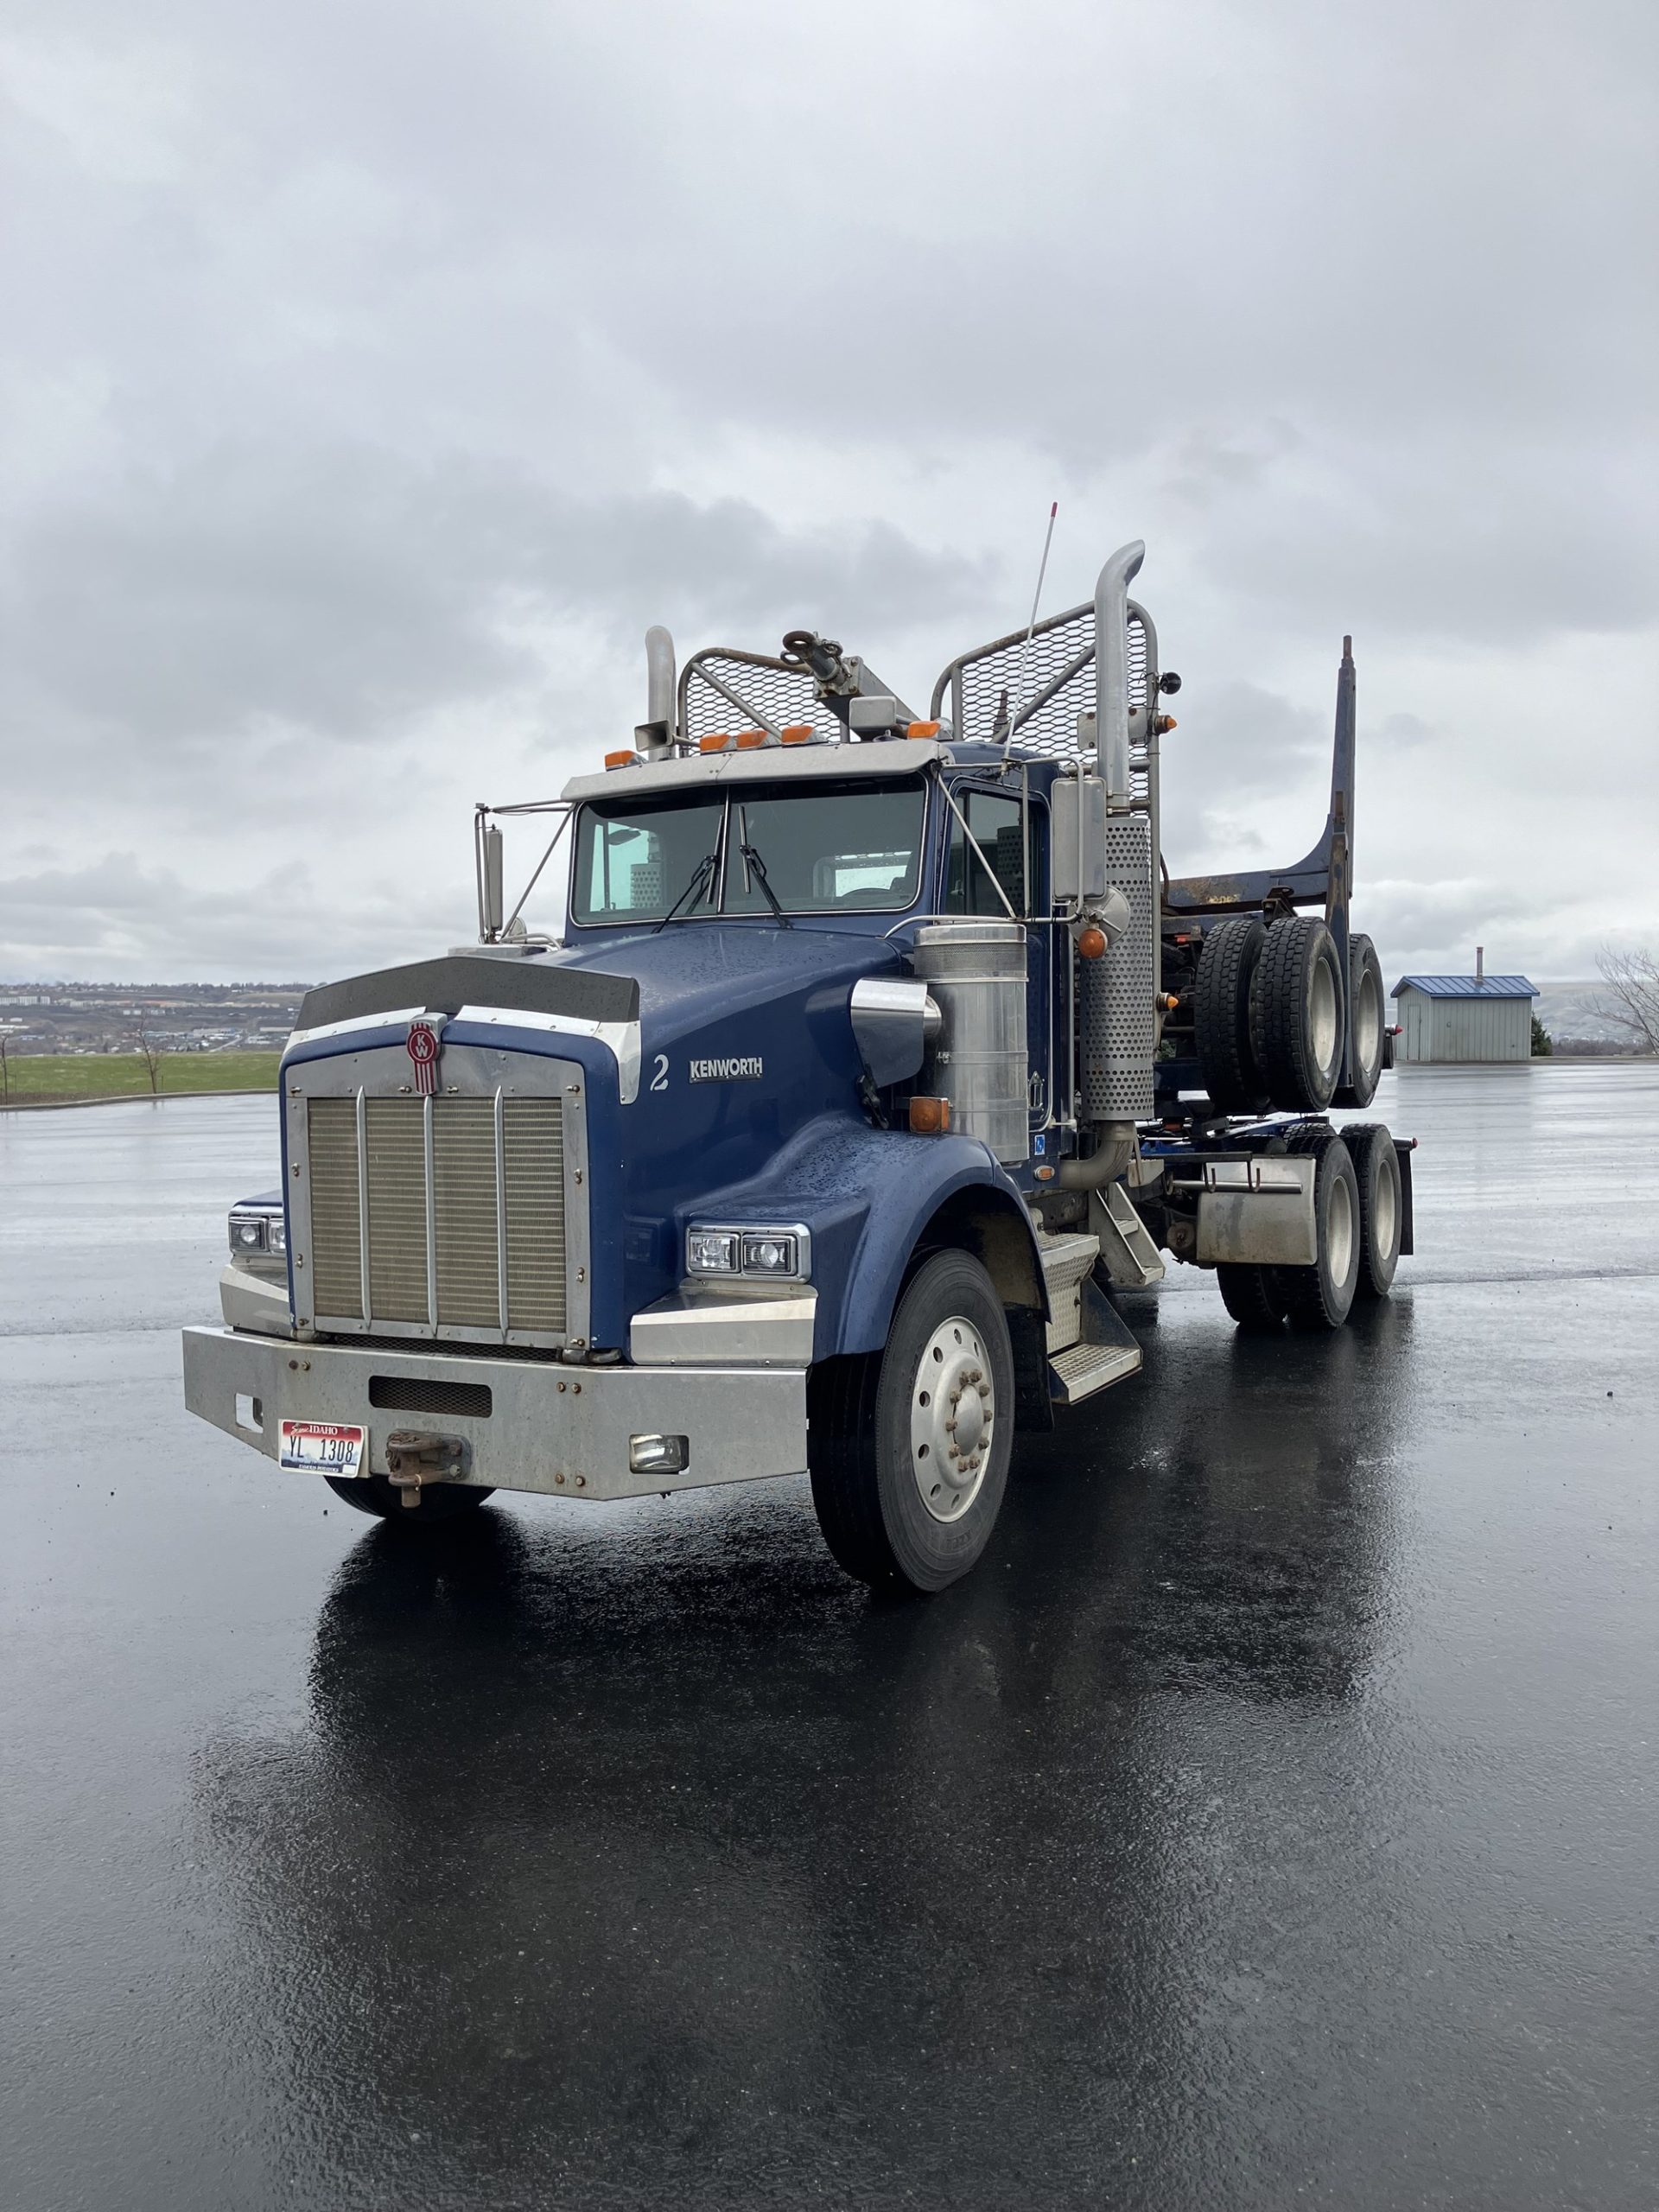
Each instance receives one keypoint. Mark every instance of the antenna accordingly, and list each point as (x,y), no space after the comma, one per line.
(1012,710)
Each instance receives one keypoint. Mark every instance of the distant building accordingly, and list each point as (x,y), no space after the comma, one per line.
(1479,1017)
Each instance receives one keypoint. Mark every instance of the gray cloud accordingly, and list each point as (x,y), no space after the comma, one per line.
(374,376)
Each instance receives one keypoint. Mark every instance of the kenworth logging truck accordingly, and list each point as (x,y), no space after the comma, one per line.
(877,1055)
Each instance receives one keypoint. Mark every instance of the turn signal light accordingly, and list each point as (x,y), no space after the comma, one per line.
(923,729)
(929,1117)
(748,739)
(1092,942)
(620,760)
(716,741)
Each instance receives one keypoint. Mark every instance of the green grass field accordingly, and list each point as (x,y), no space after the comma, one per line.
(39,1076)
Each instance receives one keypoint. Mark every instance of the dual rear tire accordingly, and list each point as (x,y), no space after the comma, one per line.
(1358,1215)
(1270,1016)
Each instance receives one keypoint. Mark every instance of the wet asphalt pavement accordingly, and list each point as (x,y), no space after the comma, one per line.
(1268,1820)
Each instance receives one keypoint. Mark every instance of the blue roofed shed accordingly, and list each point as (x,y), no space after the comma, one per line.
(1460,1018)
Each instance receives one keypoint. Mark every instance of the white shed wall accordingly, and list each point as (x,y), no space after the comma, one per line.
(1464,1029)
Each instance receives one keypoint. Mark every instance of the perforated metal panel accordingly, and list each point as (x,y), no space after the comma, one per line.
(770,690)
(1117,1032)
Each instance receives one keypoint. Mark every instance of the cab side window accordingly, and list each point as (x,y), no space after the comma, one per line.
(994,821)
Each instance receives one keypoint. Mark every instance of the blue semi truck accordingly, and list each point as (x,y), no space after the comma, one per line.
(876,1059)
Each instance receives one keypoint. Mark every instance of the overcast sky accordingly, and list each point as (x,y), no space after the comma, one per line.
(375,372)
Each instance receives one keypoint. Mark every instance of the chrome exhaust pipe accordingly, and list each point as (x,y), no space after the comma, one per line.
(1112,672)
(655,734)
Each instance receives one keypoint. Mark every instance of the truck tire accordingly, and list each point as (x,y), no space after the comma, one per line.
(1296,1015)
(1321,1297)
(438,1501)
(1381,1206)
(909,1447)
(1222,1015)
(1370,1001)
(1253,1296)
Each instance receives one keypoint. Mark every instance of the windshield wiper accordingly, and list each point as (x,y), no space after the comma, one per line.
(698,886)
(757,868)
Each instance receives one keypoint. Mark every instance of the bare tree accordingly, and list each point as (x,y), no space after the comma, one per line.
(1631,1002)
(151,1052)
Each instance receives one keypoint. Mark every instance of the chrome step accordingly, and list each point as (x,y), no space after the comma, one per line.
(1084,1369)
(1132,1259)
(1066,1260)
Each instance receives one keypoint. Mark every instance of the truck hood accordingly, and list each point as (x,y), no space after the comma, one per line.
(729,980)
(693,975)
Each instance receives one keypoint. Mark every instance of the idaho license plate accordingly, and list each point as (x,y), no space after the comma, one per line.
(319,1447)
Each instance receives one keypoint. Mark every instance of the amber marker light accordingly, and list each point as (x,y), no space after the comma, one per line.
(922,729)
(716,741)
(797,734)
(1092,942)
(929,1117)
(619,759)
(748,739)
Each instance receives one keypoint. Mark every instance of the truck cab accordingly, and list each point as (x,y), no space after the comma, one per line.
(874,1059)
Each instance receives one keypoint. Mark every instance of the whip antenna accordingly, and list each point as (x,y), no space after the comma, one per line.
(1012,710)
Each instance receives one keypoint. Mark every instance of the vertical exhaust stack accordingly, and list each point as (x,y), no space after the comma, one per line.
(654,737)
(1118,1031)
(1112,670)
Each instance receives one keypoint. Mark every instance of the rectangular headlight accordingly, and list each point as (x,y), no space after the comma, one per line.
(711,1251)
(770,1255)
(784,1254)
(248,1232)
(276,1235)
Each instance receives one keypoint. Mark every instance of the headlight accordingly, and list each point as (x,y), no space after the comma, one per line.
(276,1235)
(248,1232)
(784,1254)
(711,1251)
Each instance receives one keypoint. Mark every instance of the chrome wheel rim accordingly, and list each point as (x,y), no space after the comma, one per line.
(1385,1216)
(1324,1026)
(1368,1024)
(1339,1226)
(952,1419)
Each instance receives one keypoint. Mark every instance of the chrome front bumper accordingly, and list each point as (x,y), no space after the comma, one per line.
(562,1429)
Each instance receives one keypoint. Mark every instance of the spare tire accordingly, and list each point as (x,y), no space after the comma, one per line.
(1369,1003)
(1297,1012)
(1221,1015)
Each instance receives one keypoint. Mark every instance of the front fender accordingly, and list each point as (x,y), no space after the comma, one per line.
(866,1195)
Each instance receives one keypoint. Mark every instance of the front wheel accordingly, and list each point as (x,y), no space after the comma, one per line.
(909,1447)
(385,1500)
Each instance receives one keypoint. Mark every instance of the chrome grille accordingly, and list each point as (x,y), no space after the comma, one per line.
(336,1253)
(397,1158)
(439,1176)
(463,1187)
(535,1175)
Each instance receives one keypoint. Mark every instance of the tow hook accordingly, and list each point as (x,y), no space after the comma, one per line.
(414,1456)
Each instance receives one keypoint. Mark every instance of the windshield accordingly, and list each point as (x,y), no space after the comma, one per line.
(824,848)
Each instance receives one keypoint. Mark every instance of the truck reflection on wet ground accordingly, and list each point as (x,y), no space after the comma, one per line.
(629,1857)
